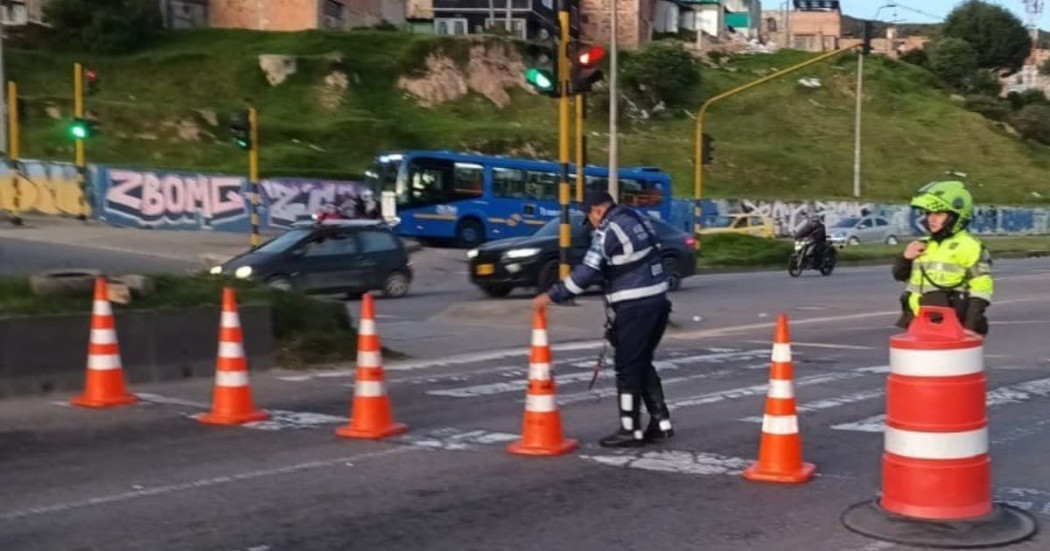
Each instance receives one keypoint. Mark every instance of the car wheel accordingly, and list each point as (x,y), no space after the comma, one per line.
(396,285)
(674,279)
(280,283)
(469,234)
(892,240)
(853,241)
(548,276)
(497,291)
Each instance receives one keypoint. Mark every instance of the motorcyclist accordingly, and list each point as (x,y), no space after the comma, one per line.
(950,267)
(815,231)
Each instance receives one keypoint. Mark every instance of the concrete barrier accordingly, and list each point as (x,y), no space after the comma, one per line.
(44,354)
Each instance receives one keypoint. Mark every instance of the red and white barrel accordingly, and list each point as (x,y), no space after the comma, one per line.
(935,463)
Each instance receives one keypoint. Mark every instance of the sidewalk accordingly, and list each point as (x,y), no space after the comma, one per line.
(200,248)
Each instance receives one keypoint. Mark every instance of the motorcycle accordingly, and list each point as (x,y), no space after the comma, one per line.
(803,259)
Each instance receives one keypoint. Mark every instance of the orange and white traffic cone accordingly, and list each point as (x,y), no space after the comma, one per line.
(780,451)
(541,430)
(370,416)
(104,386)
(232,400)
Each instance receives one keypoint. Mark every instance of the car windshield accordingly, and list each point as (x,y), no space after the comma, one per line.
(846,223)
(282,242)
(721,222)
(552,227)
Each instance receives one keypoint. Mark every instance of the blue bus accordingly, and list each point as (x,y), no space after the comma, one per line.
(475,198)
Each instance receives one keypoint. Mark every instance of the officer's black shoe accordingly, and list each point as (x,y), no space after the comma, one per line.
(658,429)
(624,439)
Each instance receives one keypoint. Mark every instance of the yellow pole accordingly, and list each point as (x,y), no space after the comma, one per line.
(253,172)
(14,152)
(698,177)
(581,147)
(565,235)
(78,113)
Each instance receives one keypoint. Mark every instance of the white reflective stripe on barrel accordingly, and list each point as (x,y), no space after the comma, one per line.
(368,327)
(103,336)
(233,379)
(369,389)
(539,337)
(540,403)
(102,308)
(540,372)
(781,352)
(936,445)
(103,362)
(231,350)
(936,363)
(231,319)
(780,424)
(369,359)
(781,388)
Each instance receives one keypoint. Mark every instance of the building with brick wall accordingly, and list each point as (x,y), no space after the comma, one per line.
(634,21)
(814,26)
(298,15)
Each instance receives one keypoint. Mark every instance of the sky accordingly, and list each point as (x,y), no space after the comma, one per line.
(926,11)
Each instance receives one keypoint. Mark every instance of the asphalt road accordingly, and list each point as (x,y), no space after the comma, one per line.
(151,477)
(19,257)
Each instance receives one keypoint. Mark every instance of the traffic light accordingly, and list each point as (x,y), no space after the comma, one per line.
(83,128)
(241,127)
(542,71)
(584,67)
(707,149)
(91,82)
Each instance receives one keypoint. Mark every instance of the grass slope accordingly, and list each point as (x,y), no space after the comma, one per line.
(776,141)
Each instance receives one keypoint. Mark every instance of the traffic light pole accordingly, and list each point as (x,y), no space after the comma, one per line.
(81,162)
(581,146)
(253,173)
(14,151)
(564,240)
(699,175)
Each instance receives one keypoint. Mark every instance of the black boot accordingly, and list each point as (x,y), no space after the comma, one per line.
(659,416)
(630,434)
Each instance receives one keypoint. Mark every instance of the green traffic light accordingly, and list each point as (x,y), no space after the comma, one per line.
(79,131)
(540,79)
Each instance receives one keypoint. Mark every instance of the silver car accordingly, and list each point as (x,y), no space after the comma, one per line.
(866,229)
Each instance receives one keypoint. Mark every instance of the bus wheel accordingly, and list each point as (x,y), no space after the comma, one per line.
(470,233)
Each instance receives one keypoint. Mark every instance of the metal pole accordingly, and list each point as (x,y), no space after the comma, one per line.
(856,144)
(509,17)
(614,99)
(14,153)
(581,146)
(3,103)
(565,235)
(81,161)
(253,172)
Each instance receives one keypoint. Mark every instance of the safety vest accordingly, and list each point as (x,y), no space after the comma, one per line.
(959,263)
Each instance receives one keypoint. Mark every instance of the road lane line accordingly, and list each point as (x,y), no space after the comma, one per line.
(822,345)
(830,403)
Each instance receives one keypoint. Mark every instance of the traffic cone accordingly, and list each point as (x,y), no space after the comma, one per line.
(232,401)
(370,416)
(541,430)
(780,451)
(104,386)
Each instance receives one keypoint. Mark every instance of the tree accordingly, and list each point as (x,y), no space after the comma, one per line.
(916,56)
(104,26)
(954,60)
(662,71)
(984,82)
(1045,68)
(997,35)
(1033,122)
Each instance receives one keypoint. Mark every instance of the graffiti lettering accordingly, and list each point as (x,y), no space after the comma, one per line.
(45,188)
(149,198)
(291,201)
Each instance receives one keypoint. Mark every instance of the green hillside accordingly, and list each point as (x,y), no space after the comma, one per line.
(781,140)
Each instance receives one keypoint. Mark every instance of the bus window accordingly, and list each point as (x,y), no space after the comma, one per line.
(470,181)
(435,181)
(508,183)
(542,186)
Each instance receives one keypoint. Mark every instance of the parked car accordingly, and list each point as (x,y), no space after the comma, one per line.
(351,256)
(498,267)
(749,224)
(867,229)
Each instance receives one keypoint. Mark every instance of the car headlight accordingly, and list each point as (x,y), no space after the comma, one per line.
(521,253)
(472,253)
(215,270)
(243,272)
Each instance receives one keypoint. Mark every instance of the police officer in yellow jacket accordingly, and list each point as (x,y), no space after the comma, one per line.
(951,267)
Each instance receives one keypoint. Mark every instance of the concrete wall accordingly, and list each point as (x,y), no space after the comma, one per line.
(44,354)
(265,15)
(634,21)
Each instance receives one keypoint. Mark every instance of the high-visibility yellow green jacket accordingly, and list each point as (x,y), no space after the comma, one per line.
(956,268)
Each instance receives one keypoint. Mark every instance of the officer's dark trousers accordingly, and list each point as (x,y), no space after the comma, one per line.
(639,326)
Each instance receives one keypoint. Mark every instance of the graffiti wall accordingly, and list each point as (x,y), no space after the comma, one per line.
(192,201)
(42,188)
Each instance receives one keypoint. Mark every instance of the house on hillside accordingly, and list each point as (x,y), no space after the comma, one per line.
(525,19)
(16,13)
(282,15)
(715,18)
(810,25)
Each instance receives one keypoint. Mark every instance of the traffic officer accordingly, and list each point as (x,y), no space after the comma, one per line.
(625,257)
(951,267)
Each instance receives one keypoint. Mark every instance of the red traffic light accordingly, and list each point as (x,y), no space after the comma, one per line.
(591,56)
(92,75)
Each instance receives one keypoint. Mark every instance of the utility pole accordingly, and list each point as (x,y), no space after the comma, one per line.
(253,172)
(81,161)
(614,99)
(3,104)
(565,233)
(581,146)
(14,153)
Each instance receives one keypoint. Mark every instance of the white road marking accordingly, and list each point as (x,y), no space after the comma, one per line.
(1027,499)
(823,345)
(455,439)
(694,463)
(743,392)
(201,483)
(829,403)
(1009,394)
(279,419)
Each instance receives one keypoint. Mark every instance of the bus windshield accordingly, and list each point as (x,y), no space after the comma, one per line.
(383,174)
(428,181)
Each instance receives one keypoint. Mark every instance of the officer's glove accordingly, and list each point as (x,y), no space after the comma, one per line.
(975,319)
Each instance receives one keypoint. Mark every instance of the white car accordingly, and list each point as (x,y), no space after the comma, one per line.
(867,229)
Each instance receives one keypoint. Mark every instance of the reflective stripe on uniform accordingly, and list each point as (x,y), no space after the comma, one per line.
(641,292)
